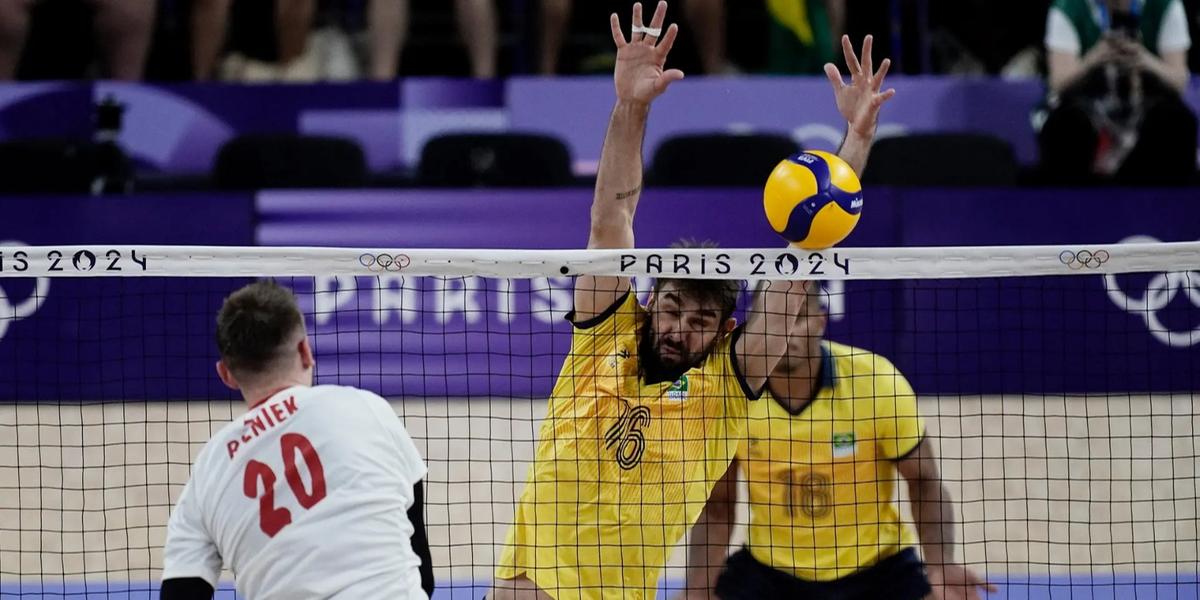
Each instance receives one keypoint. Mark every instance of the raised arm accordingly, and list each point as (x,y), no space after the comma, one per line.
(639,78)
(708,545)
(933,510)
(859,102)
(774,316)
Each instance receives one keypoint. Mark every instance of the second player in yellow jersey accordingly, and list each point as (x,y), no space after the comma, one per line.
(833,432)
(821,482)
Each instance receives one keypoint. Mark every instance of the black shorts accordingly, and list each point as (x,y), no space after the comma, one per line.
(897,577)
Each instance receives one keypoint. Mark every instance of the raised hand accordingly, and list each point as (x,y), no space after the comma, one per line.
(860,101)
(639,74)
(956,582)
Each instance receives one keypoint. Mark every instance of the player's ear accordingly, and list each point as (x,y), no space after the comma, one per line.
(226,376)
(306,354)
(729,325)
(822,321)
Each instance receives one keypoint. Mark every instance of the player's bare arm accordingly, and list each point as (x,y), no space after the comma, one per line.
(860,101)
(770,321)
(708,546)
(933,510)
(639,78)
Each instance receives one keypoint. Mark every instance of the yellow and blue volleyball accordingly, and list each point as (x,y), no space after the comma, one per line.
(813,199)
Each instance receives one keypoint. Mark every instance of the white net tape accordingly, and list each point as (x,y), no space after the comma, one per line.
(708,263)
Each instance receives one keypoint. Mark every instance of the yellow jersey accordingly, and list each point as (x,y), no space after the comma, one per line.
(622,468)
(822,481)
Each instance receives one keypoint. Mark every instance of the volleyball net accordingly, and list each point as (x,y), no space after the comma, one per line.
(1057,385)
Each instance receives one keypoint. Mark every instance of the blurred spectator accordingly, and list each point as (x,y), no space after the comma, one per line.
(555,21)
(300,49)
(122,29)
(1117,71)
(985,37)
(804,34)
(388,30)
(293,21)
(705,21)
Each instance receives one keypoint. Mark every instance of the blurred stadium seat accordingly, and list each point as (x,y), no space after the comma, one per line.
(42,166)
(495,160)
(60,166)
(719,159)
(942,159)
(289,161)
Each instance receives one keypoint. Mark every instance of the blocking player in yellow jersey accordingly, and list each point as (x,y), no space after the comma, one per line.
(834,426)
(650,404)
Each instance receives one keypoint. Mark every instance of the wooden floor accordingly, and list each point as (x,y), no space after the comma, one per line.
(1044,485)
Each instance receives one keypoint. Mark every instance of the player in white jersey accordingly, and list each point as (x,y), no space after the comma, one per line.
(313,493)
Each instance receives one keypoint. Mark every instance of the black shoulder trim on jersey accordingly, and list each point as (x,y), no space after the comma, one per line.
(186,588)
(911,451)
(600,318)
(737,368)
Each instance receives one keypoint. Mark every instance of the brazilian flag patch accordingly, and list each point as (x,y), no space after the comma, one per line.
(843,444)
(678,390)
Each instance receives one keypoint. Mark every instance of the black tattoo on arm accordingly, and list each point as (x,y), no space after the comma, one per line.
(630,193)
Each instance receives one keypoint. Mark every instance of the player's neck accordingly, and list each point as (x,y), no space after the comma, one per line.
(794,385)
(260,392)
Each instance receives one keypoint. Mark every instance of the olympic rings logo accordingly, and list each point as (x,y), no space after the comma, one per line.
(1161,291)
(1083,259)
(385,262)
(11,313)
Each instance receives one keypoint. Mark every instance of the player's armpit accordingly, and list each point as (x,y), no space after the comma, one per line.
(186,588)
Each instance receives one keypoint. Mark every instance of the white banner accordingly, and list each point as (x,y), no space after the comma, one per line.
(834,264)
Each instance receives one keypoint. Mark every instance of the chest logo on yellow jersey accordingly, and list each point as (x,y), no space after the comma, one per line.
(843,444)
(626,437)
(619,357)
(678,390)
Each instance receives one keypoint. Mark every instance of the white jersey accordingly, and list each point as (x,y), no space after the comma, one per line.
(304,496)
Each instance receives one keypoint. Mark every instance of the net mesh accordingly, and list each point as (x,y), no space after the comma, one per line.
(1061,408)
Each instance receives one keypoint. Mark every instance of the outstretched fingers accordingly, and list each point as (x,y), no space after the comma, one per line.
(667,78)
(878,99)
(835,77)
(851,58)
(877,81)
(656,22)
(668,41)
(868,63)
(618,37)
(636,34)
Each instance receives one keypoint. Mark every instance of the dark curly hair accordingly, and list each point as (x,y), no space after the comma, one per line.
(723,292)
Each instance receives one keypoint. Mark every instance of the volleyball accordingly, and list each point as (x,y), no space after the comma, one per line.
(813,199)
